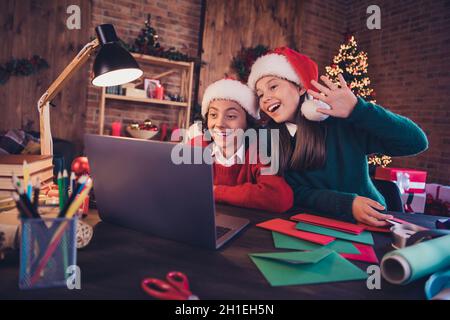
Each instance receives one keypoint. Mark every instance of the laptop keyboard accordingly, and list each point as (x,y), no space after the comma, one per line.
(220,231)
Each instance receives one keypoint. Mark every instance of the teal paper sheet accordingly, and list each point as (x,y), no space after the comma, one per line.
(364,237)
(282,241)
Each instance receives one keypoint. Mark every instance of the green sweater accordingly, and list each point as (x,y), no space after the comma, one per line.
(369,129)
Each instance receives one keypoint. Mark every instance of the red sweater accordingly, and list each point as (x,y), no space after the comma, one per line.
(243,185)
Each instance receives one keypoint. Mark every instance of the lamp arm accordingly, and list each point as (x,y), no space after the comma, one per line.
(54,89)
(68,72)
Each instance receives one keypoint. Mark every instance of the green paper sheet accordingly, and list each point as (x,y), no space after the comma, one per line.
(296,257)
(282,241)
(290,268)
(364,237)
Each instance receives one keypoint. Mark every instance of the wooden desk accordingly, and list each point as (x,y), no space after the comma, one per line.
(117,259)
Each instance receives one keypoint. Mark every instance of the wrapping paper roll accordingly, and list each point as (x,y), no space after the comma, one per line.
(411,263)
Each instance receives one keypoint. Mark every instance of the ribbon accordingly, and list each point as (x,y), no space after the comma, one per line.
(408,205)
(403,181)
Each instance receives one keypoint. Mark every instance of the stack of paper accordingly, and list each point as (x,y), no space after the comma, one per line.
(39,166)
(327,244)
(318,266)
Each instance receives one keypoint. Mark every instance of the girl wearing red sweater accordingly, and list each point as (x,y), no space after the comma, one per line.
(228,109)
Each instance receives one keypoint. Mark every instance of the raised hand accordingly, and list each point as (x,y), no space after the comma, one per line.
(341,99)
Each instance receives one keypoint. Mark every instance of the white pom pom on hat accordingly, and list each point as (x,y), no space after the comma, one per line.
(309,109)
(290,65)
(233,90)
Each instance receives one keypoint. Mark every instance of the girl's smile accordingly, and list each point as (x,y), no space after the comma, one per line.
(278,98)
(226,121)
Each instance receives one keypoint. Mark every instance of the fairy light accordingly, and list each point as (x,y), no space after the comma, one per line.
(353,64)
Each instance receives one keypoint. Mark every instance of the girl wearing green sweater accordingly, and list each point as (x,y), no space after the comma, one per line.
(326,133)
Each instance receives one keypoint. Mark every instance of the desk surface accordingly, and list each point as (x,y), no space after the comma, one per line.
(117,259)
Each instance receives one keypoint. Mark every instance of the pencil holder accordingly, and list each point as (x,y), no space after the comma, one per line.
(48,248)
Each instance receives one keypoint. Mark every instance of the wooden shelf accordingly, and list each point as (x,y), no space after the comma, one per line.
(160,61)
(146,100)
(185,70)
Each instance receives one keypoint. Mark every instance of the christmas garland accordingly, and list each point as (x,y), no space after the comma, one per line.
(22,67)
(242,63)
(378,159)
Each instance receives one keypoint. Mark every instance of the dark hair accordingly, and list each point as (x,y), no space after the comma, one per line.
(309,151)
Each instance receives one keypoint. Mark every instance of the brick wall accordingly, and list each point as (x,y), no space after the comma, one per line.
(324,24)
(408,58)
(177,23)
(409,61)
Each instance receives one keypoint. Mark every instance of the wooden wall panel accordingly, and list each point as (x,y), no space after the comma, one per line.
(30,27)
(233,24)
(314,27)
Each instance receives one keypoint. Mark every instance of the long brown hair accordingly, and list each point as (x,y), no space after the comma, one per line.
(309,152)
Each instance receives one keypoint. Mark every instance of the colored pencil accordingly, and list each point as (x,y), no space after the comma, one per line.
(60,191)
(72,183)
(65,183)
(26,175)
(59,233)
(24,197)
(37,190)
(82,181)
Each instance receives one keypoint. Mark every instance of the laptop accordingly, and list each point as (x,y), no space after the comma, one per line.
(138,186)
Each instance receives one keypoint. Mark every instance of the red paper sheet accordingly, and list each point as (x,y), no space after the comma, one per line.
(375,229)
(288,228)
(328,223)
(367,254)
(388,227)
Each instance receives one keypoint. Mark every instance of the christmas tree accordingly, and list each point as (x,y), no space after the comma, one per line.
(352,64)
(147,43)
(147,40)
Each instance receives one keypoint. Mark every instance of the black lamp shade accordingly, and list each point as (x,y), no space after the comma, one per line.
(113,65)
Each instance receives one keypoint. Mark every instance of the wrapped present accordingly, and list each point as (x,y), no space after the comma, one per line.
(438,200)
(414,202)
(408,180)
(438,191)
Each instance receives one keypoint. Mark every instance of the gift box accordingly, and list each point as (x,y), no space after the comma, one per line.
(408,180)
(438,199)
(414,202)
(438,191)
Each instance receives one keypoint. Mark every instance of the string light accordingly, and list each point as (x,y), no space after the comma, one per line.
(353,65)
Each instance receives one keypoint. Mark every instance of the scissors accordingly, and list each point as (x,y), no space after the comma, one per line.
(175,287)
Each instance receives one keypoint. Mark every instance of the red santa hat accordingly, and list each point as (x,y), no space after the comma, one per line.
(293,66)
(234,90)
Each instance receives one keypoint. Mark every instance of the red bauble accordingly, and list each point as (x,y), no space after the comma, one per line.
(80,166)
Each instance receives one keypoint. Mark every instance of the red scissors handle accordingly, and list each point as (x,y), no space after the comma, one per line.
(162,290)
(179,280)
(176,287)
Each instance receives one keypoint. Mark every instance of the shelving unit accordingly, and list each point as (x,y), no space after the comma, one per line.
(186,71)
